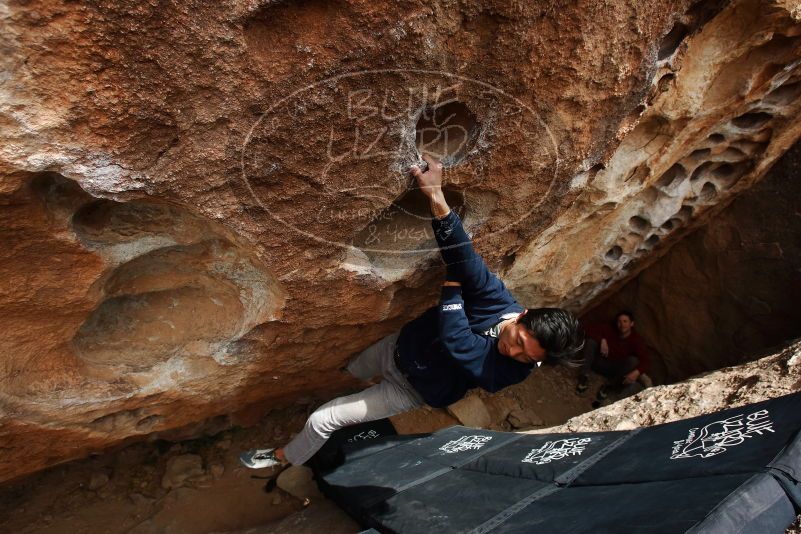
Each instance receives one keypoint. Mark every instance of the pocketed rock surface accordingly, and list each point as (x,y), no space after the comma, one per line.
(205,209)
(728,290)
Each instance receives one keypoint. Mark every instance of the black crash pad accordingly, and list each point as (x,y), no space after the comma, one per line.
(737,470)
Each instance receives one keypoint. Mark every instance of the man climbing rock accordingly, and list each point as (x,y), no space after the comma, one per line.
(478,336)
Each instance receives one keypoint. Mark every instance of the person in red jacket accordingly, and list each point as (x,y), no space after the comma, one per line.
(616,352)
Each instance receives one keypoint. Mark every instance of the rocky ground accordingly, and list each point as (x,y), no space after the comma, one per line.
(198,486)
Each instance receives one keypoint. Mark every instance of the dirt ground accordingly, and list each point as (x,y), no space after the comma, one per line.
(123,491)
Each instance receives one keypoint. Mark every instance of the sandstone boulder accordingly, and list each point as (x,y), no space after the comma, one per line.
(206,206)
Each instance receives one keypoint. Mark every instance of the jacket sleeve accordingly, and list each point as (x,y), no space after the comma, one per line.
(463,263)
(468,349)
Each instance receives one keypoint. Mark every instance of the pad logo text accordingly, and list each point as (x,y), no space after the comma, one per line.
(556,450)
(716,438)
(465,443)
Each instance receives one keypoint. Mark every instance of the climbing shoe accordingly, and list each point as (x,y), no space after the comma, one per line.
(603,392)
(259,458)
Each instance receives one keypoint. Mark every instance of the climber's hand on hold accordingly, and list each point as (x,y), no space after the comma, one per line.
(430,183)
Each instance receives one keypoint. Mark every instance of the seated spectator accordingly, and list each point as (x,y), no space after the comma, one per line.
(616,352)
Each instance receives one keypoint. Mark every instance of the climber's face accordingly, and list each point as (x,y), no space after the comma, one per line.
(515,341)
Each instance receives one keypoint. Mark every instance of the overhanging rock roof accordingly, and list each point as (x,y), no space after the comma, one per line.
(738,470)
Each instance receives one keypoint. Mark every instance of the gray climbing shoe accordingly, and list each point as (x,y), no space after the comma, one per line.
(259,458)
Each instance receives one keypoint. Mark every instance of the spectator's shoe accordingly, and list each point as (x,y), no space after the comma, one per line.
(603,392)
(645,380)
(259,458)
(583,384)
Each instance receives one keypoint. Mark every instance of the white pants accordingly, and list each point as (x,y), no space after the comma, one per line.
(393,395)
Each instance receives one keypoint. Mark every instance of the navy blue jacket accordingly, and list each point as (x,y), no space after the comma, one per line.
(443,353)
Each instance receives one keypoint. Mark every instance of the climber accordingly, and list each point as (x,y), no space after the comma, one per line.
(478,336)
(624,359)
